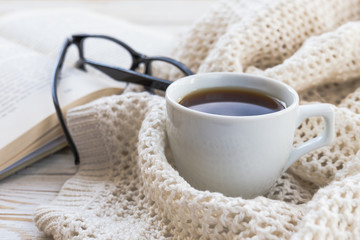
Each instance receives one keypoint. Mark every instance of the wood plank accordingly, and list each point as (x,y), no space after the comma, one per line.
(19,197)
(27,230)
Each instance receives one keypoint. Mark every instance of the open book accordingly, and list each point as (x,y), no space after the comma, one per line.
(29,128)
(28,124)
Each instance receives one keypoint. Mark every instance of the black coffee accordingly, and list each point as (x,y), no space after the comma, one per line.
(231,102)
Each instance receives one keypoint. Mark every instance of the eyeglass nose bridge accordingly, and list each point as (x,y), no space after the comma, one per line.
(76,39)
(137,59)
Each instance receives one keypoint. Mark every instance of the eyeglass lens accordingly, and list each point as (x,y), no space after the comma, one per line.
(108,52)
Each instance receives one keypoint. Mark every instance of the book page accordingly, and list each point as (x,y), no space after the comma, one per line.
(62,23)
(25,83)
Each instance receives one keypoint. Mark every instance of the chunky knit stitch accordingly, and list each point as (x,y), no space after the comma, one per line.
(127,186)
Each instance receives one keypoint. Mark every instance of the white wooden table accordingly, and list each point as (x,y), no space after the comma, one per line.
(38,184)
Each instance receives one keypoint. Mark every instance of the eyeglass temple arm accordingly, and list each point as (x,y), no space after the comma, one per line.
(59,113)
(131,76)
(182,67)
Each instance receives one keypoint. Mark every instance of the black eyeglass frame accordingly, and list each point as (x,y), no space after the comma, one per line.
(117,73)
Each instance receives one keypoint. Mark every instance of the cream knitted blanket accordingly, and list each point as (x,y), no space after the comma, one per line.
(127,187)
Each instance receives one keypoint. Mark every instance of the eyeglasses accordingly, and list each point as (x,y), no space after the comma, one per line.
(126,69)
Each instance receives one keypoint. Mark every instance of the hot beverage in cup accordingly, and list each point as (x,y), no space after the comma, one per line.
(231,102)
(233,133)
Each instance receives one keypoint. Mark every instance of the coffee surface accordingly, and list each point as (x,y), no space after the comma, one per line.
(231,102)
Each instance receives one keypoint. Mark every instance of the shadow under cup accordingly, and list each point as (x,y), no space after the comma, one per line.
(235,155)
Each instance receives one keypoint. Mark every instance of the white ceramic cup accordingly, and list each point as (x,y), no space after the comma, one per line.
(238,155)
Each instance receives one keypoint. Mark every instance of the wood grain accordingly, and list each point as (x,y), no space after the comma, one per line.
(22,192)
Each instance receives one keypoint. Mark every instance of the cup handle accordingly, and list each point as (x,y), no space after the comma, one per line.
(324,110)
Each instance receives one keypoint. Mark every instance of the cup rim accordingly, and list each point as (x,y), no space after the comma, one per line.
(174,103)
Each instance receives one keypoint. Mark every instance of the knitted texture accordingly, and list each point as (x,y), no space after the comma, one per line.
(127,186)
